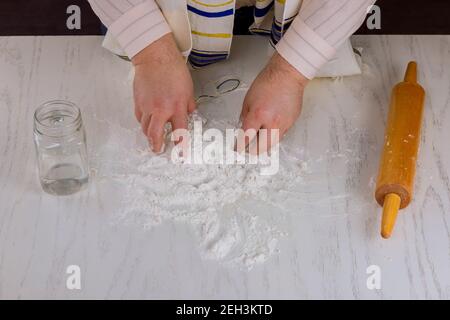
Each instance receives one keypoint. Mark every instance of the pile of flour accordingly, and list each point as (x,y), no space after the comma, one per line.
(214,199)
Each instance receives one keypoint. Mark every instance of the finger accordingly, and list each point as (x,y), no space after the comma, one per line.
(267,138)
(179,121)
(138,113)
(145,121)
(247,135)
(192,106)
(155,132)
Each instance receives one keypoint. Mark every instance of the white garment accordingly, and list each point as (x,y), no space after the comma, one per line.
(317,27)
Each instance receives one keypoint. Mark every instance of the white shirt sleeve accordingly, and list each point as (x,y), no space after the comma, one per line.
(319,29)
(135,24)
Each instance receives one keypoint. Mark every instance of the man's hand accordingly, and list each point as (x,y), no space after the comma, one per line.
(163,90)
(274,100)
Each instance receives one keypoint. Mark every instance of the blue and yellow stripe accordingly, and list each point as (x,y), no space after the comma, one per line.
(213,5)
(261,12)
(207,14)
(211,35)
(201,58)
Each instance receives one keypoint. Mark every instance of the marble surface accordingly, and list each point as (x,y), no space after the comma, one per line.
(328,247)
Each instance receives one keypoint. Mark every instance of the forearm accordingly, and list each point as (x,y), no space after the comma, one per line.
(318,31)
(135,24)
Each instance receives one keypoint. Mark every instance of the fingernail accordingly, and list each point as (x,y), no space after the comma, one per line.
(150,143)
(161,150)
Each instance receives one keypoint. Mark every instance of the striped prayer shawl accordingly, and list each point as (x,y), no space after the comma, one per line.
(212,25)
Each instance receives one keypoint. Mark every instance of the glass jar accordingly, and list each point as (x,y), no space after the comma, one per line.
(60,142)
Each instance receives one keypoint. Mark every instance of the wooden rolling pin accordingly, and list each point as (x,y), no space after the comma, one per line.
(395,182)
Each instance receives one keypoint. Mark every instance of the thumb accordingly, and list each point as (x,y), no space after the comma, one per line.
(192,106)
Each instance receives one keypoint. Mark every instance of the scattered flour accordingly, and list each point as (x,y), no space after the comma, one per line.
(216,200)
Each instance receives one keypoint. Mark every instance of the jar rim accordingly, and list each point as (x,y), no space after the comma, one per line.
(73,122)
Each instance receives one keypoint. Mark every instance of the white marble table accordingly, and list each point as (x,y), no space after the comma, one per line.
(328,248)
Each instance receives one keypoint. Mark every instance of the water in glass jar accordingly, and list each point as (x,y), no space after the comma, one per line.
(61,148)
(64,179)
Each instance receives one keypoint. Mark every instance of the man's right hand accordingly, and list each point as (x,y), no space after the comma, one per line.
(163,90)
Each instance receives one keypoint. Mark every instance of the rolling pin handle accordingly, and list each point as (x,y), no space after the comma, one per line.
(411,72)
(390,210)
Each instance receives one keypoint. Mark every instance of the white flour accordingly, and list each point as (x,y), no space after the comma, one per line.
(216,200)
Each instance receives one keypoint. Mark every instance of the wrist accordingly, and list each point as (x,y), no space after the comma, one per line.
(160,50)
(287,69)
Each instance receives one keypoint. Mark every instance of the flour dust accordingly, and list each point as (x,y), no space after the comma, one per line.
(216,200)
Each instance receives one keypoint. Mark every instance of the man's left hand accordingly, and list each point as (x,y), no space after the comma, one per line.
(274,100)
